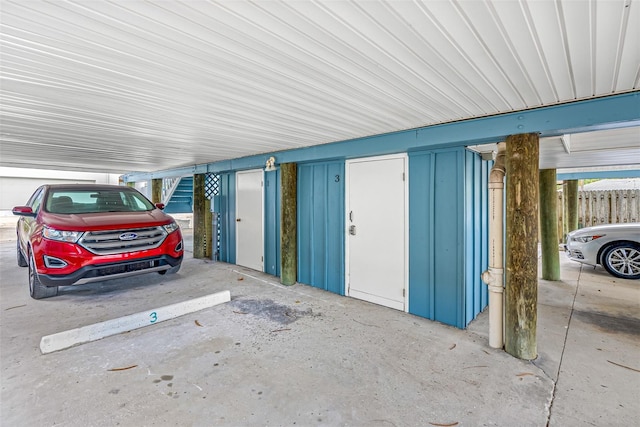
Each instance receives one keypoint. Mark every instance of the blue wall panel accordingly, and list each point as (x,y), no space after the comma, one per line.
(321,225)
(305,219)
(421,280)
(484,229)
(436,239)
(225,205)
(448,235)
(272,222)
(476,234)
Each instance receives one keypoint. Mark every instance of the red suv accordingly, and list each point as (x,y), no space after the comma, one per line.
(71,234)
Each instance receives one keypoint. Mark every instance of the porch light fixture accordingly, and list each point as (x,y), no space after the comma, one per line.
(270,166)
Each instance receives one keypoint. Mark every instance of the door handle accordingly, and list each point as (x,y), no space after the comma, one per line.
(352,230)
(238,220)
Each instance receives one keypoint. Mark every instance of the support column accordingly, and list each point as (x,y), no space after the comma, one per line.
(571,198)
(202,227)
(549,225)
(156,190)
(288,225)
(521,289)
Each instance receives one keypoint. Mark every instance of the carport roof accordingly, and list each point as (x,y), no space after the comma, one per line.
(147,86)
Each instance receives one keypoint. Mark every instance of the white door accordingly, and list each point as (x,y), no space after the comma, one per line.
(249,219)
(376,221)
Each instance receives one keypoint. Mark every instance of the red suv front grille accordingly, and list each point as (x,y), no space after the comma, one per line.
(121,241)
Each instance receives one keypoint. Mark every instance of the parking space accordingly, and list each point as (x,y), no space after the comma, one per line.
(600,359)
(296,355)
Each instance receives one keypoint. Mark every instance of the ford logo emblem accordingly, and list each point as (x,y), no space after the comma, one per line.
(128,236)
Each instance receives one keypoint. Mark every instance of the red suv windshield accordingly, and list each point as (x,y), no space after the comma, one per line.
(79,201)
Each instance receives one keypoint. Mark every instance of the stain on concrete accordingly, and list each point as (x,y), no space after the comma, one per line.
(610,324)
(271,310)
(164,378)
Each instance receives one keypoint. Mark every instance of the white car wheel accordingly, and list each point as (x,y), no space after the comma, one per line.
(622,260)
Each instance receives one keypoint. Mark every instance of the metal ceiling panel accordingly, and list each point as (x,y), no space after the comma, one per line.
(151,85)
(578,150)
(583,147)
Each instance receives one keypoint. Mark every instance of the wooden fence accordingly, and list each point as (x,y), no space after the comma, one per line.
(604,207)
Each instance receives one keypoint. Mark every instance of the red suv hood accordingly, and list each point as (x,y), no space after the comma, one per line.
(104,221)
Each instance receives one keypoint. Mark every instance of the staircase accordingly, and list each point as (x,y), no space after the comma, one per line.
(181,200)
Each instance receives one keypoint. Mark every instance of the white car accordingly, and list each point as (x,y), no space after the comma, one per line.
(616,247)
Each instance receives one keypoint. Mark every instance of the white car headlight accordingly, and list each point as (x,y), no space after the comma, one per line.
(586,239)
(61,235)
(170,228)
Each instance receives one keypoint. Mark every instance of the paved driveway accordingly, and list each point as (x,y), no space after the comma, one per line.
(285,356)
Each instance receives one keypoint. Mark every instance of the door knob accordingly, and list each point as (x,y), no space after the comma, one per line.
(352,230)
(238,220)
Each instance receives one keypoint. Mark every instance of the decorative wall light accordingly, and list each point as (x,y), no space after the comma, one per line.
(270,165)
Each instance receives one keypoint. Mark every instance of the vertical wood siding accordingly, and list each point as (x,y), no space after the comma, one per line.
(476,233)
(321,225)
(436,238)
(272,222)
(448,237)
(225,205)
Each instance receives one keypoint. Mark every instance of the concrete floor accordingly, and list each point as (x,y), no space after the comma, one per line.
(285,356)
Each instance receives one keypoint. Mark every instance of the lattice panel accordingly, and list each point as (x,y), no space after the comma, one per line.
(211,189)
(212,185)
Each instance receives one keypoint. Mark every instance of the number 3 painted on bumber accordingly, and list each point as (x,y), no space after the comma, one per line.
(154,317)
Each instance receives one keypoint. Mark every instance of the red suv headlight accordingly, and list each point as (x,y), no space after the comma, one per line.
(170,228)
(61,235)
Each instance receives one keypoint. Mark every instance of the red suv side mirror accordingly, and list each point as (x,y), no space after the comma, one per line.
(23,211)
